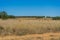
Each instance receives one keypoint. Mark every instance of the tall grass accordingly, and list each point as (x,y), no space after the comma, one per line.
(24,26)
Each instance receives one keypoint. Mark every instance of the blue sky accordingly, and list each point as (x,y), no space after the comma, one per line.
(31,7)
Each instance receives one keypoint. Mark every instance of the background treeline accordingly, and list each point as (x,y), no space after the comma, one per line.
(4,15)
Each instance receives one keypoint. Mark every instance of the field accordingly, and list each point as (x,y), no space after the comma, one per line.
(29,29)
(46,36)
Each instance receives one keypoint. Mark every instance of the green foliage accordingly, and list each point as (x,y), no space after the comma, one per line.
(48,17)
(30,16)
(4,15)
(40,16)
(11,16)
(56,18)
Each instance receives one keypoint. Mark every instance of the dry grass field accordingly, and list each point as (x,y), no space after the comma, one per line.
(29,29)
(45,36)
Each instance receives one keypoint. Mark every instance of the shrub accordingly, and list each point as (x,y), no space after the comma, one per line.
(56,18)
(11,16)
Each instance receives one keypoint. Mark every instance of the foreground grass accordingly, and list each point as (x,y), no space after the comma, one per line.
(45,36)
(28,26)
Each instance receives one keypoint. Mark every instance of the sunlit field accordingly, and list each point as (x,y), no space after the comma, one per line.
(29,29)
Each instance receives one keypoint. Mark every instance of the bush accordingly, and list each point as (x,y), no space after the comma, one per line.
(11,16)
(56,18)
(3,15)
(40,17)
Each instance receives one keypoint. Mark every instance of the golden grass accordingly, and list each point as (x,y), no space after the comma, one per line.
(46,36)
(28,26)
(31,29)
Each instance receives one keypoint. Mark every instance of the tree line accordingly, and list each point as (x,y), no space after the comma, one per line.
(4,15)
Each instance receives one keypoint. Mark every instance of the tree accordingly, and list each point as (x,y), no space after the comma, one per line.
(11,16)
(48,17)
(3,15)
(56,18)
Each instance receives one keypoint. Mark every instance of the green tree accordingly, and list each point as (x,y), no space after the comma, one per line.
(11,16)
(48,17)
(56,18)
(3,15)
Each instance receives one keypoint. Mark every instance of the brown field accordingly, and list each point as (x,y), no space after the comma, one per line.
(29,29)
(45,36)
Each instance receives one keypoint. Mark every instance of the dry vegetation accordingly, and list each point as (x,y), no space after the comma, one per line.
(45,36)
(28,26)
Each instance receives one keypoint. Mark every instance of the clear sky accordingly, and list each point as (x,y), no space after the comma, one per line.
(31,7)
